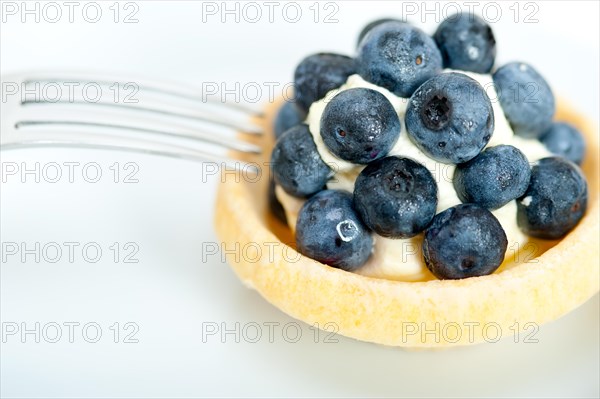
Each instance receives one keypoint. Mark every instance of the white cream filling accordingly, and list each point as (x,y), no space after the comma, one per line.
(401,259)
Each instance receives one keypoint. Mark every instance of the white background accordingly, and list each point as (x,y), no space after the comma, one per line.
(172,291)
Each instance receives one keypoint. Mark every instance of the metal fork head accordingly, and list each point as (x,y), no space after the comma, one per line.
(90,110)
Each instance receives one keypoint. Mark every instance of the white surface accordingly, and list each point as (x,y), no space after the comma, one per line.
(172,291)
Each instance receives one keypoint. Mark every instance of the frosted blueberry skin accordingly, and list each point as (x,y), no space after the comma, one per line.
(373,24)
(526,99)
(297,165)
(330,231)
(555,200)
(450,118)
(467,43)
(398,57)
(464,241)
(360,125)
(318,74)
(396,197)
(288,116)
(565,140)
(493,178)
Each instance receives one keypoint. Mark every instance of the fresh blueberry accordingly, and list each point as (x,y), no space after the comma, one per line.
(464,241)
(318,74)
(526,99)
(396,197)
(360,125)
(466,42)
(373,24)
(297,166)
(289,115)
(274,205)
(566,141)
(329,230)
(450,118)
(493,178)
(555,200)
(398,56)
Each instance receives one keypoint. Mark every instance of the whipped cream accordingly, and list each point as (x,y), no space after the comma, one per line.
(401,259)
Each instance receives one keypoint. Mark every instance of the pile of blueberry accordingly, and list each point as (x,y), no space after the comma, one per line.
(449,117)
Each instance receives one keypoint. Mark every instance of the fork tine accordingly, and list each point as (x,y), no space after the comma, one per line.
(164,119)
(194,95)
(149,102)
(240,146)
(53,138)
(149,122)
(162,88)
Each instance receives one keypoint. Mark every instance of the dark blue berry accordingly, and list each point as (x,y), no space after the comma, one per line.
(450,118)
(329,230)
(467,43)
(555,200)
(396,197)
(565,140)
(297,166)
(360,125)
(318,74)
(289,115)
(526,99)
(398,56)
(493,178)
(464,241)
(373,24)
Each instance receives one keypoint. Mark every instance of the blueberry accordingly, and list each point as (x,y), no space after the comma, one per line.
(464,241)
(318,74)
(396,197)
(360,125)
(450,118)
(466,42)
(565,140)
(289,115)
(398,56)
(373,24)
(526,99)
(555,200)
(329,230)
(297,166)
(493,178)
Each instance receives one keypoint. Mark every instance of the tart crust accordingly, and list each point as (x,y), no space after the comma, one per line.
(434,313)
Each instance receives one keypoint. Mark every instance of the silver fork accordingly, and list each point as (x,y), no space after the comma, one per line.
(90,110)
